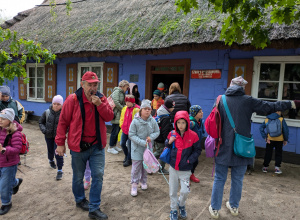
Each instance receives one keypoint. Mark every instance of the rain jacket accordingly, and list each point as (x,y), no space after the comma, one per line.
(187,148)
(198,127)
(118,96)
(127,115)
(48,128)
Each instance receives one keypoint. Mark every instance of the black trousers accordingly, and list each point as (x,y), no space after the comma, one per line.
(278,153)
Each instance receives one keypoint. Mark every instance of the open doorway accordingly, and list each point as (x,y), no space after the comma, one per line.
(167,80)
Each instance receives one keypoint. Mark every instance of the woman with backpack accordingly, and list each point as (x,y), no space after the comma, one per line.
(241,107)
(10,147)
(48,124)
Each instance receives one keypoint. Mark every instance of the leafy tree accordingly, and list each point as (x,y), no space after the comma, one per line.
(249,19)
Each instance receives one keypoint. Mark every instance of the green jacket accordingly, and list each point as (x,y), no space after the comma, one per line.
(14,105)
(118,96)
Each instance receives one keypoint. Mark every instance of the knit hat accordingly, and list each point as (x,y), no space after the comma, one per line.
(5,90)
(146,103)
(194,109)
(8,113)
(239,81)
(156,92)
(58,99)
(169,103)
(160,86)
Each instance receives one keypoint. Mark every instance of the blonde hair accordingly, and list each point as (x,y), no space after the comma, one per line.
(12,128)
(123,83)
(174,87)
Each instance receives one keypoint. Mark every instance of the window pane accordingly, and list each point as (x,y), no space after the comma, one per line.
(269,72)
(97,70)
(31,72)
(292,72)
(84,70)
(268,90)
(31,82)
(40,93)
(31,92)
(40,82)
(291,91)
(40,71)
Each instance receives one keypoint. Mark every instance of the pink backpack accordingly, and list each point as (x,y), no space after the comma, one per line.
(150,163)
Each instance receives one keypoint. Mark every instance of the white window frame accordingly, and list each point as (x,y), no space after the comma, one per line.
(90,65)
(255,82)
(35,65)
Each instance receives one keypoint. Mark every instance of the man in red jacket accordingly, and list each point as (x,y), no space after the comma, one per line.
(83,117)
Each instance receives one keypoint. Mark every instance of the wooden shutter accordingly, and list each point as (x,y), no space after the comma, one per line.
(50,82)
(110,77)
(241,67)
(71,81)
(22,88)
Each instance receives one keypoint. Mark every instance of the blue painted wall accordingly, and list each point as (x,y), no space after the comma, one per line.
(201,92)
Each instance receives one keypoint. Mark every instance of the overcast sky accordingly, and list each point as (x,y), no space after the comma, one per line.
(10,8)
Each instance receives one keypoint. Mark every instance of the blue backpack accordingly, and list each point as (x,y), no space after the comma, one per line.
(274,127)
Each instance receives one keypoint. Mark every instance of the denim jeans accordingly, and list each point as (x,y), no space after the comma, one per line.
(114,135)
(96,158)
(237,177)
(127,151)
(51,146)
(7,182)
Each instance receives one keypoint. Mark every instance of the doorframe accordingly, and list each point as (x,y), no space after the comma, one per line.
(175,62)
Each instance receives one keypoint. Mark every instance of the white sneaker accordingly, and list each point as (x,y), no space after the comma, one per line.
(234,211)
(214,213)
(117,149)
(112,150)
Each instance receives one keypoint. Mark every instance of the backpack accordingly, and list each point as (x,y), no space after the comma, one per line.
(150,163)
(158,118)
(25,144)
(210,145)
(47,114)
(273,127)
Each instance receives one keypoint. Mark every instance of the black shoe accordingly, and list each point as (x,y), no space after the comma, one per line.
(97,215)
(16,188)
(127,163)
(5,209)
(84,205)
(19,163)
(59,175)
(124,160)
(52,164)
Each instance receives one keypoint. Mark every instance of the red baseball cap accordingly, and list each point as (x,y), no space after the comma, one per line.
(90,77)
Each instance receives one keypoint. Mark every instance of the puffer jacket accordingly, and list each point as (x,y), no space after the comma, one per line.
(11,103)
(182,103)
(164,124)
(241,107)
(118,96)
(48,128)
(198,127)
(187,148)
(11,156)
(139,130)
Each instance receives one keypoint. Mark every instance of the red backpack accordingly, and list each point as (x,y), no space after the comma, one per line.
(25,144)
(213,124)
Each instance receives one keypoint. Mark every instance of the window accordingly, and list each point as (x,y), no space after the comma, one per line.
(36,85)
(96,67)
(276,79)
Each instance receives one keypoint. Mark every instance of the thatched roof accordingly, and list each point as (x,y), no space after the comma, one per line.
(117,27)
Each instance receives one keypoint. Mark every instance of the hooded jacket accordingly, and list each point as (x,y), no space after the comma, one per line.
(48,128)
(11,156)
(164,124)
(198,127)
(136,95)
(186,148)
(241,107)
(127,115)
(18,108)
(285,130)
(138,132)
(118,96)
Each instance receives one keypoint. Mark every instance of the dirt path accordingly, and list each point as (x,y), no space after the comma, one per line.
(41,197)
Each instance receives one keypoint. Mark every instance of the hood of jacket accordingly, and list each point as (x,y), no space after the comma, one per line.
(131,86)
(162,110)
(235,91)
(185,116)
(273,116)
(193,119)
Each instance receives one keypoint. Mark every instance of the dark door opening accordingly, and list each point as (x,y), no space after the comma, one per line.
(167,80)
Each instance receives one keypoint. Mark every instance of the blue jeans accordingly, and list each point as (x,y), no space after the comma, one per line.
(96,159)
(114,135)
(7,182)
(237,177)
(51,146)
(127,151)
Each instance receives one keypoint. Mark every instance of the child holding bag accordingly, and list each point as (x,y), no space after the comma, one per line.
(143,129)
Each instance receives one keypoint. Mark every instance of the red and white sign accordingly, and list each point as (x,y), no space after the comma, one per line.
(206,74)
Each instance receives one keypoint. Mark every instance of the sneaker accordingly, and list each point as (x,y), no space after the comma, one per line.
(86,185)
(112,150)
(173,215)
(194,179)
(214,213)
(144,186)
(134,189)
(117,149)
(16,188)
(234,211)
(182,212)
(59,175)
(277,170)
(265,169)
(52,164)
(163,171)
